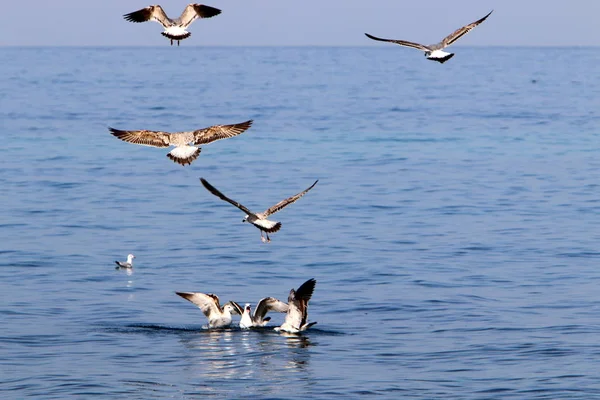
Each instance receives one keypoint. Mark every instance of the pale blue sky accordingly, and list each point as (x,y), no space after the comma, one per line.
(306,22)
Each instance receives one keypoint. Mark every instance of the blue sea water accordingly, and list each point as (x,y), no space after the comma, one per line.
(453,233)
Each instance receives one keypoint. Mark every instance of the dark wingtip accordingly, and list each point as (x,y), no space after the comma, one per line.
(306,290)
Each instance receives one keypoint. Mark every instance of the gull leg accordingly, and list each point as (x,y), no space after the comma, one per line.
(268,238)
(178,43)
(262,237)
(171,42)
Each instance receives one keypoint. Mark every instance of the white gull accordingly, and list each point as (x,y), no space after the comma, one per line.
(296,319)
(175,29)
(435,51)
(259,220)
(218,317)
(126,264)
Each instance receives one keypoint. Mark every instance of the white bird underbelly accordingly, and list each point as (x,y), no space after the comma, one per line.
(176,33)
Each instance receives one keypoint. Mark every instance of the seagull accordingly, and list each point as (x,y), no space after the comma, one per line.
(297,314)
(126,264)
(435,51)
(186,144)
(218,317)
(258,319)
(175,29)
(259,220)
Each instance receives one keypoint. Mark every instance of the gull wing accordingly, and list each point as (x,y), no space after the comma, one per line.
(237,307)
(288,201)
(218,132)
(145,138)
(269,304)
(457,34)
(150,13)
(194,11)
(401,43)
(208,303)
(220,195)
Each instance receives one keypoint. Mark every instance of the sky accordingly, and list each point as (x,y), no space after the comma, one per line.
(305,23)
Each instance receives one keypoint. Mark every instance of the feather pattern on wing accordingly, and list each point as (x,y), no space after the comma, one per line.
(287,202)
(457,34)
(220,195)
(150,13)
(143,137)
(218,132)
(195,11)
(269,304)
(208,303)
(401,43)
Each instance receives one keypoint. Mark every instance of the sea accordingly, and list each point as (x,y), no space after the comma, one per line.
(454,231)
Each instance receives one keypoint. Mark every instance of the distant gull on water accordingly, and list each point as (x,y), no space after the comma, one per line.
(126,264)
(435,51)
(175,29)
(187,144)
(259,220)
(218,317)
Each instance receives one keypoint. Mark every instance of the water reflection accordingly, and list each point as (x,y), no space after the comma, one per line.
(260,354)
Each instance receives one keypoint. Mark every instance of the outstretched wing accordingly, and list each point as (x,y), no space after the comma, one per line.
(220,195)
(218,132)
(145,138)
(237,307)
(269,304)
(288,201)
(208,303)
(457,34)
(195,11)
(150,13)
(401,43)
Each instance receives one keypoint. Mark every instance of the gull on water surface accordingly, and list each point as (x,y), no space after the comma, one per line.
(258,318)
(435,51)
(218,317)
(296,319)
(187,144)
(259,220)
(175,29)
(126,264)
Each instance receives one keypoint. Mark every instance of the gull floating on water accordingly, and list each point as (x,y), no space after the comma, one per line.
(258,319)
(175,29)
(218,317)
(259,220)
(126,264)
(297,314)
(187,144)
(435,51)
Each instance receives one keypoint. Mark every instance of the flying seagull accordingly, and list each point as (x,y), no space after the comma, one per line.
(218,317)
(187,144)
(259,220)
(297,314)
(175,29)
(126,264)
(435,51)
(258,319)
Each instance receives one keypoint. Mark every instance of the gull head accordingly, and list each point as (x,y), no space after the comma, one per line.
(247,307)
(130,257)
(245,219)
(229,308)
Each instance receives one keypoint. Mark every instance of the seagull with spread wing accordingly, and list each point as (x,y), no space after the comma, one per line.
(187,144)
(259,220)
(175,29)
(218,317)
(259,319)
(435,51)
(296,319)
